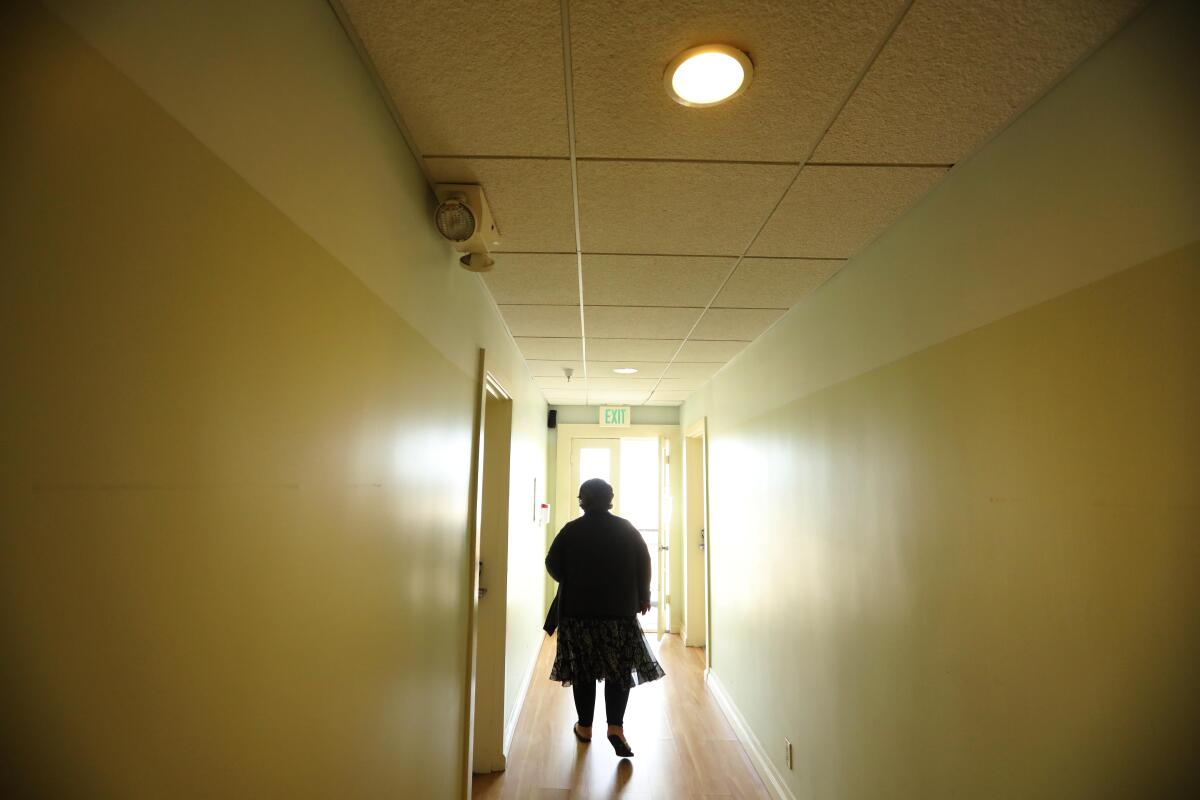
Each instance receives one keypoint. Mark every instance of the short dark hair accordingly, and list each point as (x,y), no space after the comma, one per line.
(595,494)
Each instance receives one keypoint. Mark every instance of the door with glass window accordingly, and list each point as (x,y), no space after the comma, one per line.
(640,504)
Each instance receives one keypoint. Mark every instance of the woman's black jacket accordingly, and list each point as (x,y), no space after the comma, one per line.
(602,566)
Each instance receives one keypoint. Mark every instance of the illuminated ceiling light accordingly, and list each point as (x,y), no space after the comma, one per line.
(707,75)
(624,370)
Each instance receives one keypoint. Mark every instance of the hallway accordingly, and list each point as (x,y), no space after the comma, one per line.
(684,746)
(881,316)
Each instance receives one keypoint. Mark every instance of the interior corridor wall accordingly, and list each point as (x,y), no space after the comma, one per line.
(953,491)
(240,379)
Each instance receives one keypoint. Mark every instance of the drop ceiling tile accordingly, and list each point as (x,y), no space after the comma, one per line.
(806,57)
(675,208)
(541,320)
(543,368)
(954,73)
(620,349)
(621,280)
(534,278)
(681,384)
(735,323)
(669,398)
(693,370)
(560,397)
(632,384)
(641,322)
(774,282)
(694,351)
(470,78)
(833,212)
(560,383)
(645,369)
(616,397)
(530,199)
(561,349)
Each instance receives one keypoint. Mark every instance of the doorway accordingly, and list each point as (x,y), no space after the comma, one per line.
(489,585)
(697,619)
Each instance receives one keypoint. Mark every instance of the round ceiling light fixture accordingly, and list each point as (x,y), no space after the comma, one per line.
(624,370)
(708,75)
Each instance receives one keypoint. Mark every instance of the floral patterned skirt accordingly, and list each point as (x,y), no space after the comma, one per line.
(604,650)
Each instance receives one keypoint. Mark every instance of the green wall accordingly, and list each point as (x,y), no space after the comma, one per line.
(236,432)
(953,492)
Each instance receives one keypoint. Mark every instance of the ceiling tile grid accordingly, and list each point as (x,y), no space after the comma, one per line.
(645,322)
(806,58)
(552,368)
(675,207)
(477,79)
(775,282)
(685,369)
(833,212)
(953,73)
(735,324)
(624,349)
(699,227)
(542,321)
(694,351)
(534,279)
(629,280)
(551,348)
(645,369)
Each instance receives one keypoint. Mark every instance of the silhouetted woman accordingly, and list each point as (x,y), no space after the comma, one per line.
(603,569)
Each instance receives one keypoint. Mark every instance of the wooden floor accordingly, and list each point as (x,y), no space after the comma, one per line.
(685,748)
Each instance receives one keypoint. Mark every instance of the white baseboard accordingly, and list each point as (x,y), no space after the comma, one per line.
(766,768)
(511,727)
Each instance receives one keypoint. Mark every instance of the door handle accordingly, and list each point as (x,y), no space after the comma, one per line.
(702,538)
(663,547)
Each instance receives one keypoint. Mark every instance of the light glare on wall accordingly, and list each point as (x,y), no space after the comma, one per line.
(708,75)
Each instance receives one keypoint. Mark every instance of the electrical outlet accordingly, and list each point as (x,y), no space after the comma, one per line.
(787,749)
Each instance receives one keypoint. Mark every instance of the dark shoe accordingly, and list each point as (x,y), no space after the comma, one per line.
(578,735)
(620,746)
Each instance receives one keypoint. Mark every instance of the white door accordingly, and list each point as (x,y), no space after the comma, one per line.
(640,502)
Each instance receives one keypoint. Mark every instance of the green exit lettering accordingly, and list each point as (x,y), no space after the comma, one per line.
(615,416)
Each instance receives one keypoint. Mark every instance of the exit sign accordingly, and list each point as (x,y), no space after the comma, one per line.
(614,416)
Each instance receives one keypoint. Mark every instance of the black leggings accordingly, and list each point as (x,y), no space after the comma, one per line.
(615,699)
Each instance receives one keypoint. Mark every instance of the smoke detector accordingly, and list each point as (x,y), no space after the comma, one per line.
(464,219)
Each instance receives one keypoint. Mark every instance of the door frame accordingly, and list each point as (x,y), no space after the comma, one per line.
(564,492)
(488,750)
(696,436)
(487,383)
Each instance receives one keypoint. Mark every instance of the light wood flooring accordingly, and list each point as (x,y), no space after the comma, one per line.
(684,746)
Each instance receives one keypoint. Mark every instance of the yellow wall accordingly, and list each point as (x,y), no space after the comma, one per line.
(954,491)
(236,435)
